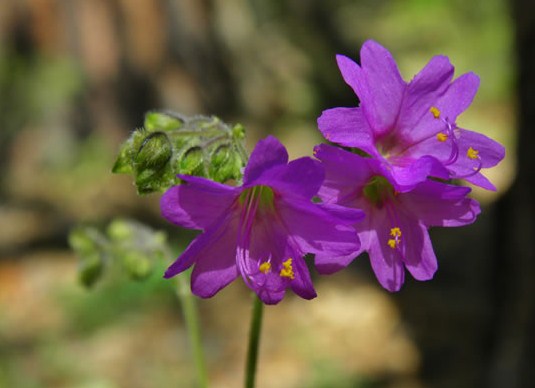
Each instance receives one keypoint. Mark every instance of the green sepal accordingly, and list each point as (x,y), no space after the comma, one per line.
(170,144)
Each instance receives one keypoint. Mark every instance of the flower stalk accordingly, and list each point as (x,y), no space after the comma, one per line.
(254,342)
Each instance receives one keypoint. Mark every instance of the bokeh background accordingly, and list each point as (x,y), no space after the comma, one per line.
(77,76)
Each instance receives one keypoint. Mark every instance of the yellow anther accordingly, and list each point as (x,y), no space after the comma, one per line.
(436,113)
(287,270)
(265,267)
(395,232)
(441,136)
(472,153)
(394,242)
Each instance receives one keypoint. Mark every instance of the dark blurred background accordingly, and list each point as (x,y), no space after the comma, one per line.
(77,76)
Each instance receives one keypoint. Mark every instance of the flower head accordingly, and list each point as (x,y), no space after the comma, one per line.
(260,230)
(411,127)
(395,230)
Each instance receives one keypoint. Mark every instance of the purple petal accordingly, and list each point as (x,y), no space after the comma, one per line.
(267,154)
(419,257)
(439,204)
(352,75)
(345,173)
(325,264)
(383,87)
(489,153)
(215,262)
(459,96)
(302,284)
(301,177)
(348,127)
(197,248)
(318,229)
(386,262)
(407,176)
(197,202)
(269,243)
(422,93)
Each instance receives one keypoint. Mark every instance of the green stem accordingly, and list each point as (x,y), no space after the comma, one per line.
(254,341)
(192,326)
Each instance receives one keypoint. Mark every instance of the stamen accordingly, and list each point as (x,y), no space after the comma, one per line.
(472,153)
(395,232)
(265,267)
(395,241)
(435,112)
(441,136)
(287,270)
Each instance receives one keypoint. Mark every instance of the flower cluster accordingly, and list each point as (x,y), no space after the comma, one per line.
(380,194)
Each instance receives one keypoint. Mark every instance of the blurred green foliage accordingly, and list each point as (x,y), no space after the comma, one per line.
(132,245)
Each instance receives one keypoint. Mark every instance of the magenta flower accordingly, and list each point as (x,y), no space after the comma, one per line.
(260,230)
(395,229)
(411,127)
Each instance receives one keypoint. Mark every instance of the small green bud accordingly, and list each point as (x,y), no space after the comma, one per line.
(90,269)
(152,161)
(171,144)
(81,242)
(191,162)
(162,121)
(120,230)
(137,265)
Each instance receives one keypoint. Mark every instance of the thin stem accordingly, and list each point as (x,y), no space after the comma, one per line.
(191,317)
(254,341)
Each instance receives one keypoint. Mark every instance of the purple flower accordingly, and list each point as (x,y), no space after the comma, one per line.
(411,127)
(260,230)
(395,229)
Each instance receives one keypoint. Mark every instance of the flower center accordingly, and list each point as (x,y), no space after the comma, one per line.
(260,195)
(378,190)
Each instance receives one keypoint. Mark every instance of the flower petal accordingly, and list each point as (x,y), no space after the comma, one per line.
(489,154)
(201,243)
(411,173)
(197,202)
(439,204)
(386,262)
(267,154)
(215,262)
(302,283)
(345,173)
(348,127)
(418,255)
(459,96)
(422,93)
(325,230)
(383,86)
(352,75)
(270,244)
(301,177)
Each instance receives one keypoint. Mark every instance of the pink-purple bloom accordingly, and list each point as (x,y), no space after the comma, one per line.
(411,127)
(262,229)
(395,229)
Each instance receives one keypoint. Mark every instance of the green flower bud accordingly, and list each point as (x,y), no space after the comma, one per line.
(137,265)
(90,269)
